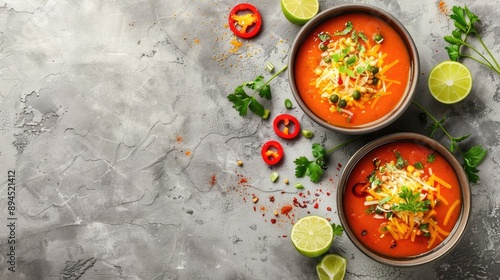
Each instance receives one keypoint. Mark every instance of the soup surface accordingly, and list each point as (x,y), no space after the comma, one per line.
(402,199)
(360,59)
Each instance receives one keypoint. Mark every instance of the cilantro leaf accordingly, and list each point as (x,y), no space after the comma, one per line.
(472,158)
(431,158)
(412,201)
(311,168)
(347,29)
(464,20)
(265,91)
(324,36)
(240,100)
(338,230)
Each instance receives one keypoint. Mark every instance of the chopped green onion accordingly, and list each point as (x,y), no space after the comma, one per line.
(288,104)
(299,186)
(307,133)
(274,176)
(270,66)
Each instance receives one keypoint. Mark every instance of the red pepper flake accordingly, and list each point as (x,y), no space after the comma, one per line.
(263,208)
(213,180)
(286,209)
(329,208)
(283,192)
(273,221)
(316,205)
(328,193)
(179,139)
(254,209)
(271,198)
(284,236)
(329,219)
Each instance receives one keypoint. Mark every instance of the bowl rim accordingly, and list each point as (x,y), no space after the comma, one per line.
(413,75)
(458,230)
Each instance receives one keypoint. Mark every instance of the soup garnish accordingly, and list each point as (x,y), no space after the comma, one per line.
(404,199)
(352,70)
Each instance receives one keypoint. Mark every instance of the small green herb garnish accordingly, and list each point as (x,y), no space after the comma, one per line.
(338,230)
(418,165)
(324,36)
(314,168)
(412,202)
(471,158)
(242,101)
(400,161)
(464,21)
(431,158)
(347,29)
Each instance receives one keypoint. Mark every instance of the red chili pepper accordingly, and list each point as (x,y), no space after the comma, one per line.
(272,152)
(239,21)
(286,119)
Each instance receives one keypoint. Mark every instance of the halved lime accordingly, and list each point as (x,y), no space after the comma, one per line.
(450,82)
(299,11)
(331,267)
(312,236)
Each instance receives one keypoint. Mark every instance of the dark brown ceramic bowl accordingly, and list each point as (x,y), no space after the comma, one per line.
(455,235)
(413,72)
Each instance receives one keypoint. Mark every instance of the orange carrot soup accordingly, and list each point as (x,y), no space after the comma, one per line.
(352,69)
(402,199)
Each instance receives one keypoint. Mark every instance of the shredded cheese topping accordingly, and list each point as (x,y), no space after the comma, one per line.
(406,204)
(353,70)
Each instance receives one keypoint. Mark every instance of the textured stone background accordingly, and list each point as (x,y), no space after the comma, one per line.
(114,117)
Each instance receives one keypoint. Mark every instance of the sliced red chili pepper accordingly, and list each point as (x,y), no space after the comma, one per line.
(272,152)
(284,120)
(243,24)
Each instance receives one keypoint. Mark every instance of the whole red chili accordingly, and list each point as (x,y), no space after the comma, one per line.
(240,20)
(287,121)
(272,152)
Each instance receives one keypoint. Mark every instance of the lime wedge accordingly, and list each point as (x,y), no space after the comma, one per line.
(299,11)
(331,267)
(450,82)
(312,236)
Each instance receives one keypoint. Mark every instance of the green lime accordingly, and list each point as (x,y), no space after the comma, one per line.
(331,267)
(450,82)
(299,11)
(312,236)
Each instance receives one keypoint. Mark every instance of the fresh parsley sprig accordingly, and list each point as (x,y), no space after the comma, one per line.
(314,168)
(242,101)
(412,202)
(338,230)
(464,21)
(471,158)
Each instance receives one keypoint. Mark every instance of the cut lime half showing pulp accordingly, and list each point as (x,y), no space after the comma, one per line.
(331,267)
(450,82)
(299,11)
(312,236)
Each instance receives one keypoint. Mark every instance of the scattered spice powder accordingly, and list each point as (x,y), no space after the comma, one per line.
(286,209)
(443,7)
(213,180)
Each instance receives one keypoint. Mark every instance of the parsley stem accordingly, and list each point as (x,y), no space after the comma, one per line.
(488,50)
(485,61)
(343,144)
(276,74)
(433,118)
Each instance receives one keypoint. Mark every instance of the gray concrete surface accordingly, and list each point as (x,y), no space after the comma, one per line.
(115,123)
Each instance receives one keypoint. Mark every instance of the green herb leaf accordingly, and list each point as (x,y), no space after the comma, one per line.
(240,100)
(314,168)
(418,165)
(431,158)
(400,161)
(412,202)
(265,92)
(347,29)
(453,52)
(338,230)
(475,155)
(324,36)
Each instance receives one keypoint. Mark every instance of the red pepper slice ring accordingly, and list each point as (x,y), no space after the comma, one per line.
(237,22)
(272,152)
(289,122)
